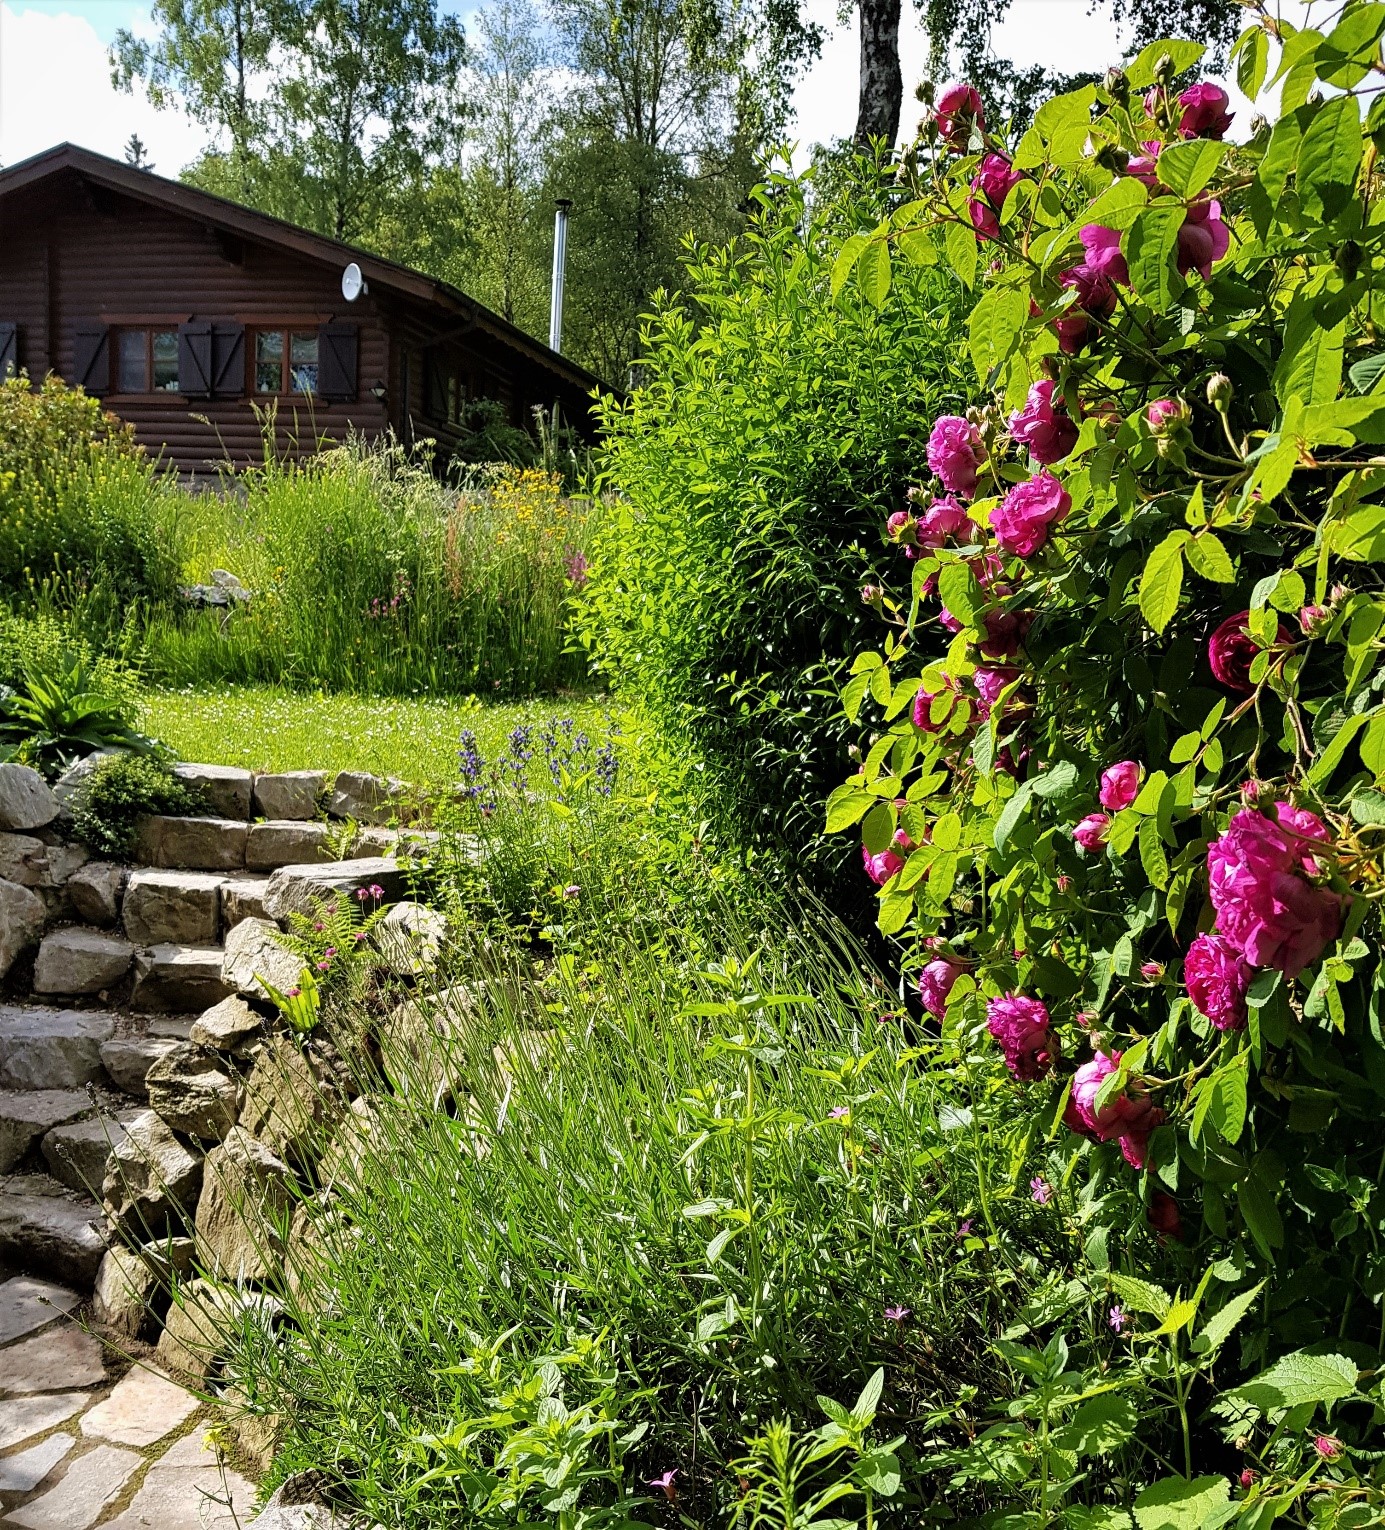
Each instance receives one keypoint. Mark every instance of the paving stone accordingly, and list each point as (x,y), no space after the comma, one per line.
(366,798)
(242,898)
(227,788)
(26,1114)
(182,979)
(22,914)
(50,1232)
(23,1417)
(77,960)
(95,891)
(177,907)
(195,844)
(79,1155)
(27,1304)
(51,1048)
(288,794)
(255,956)
(283,842)
(25,801)
(34,863)
(299,889)
(22,1473)
(62,1359)
(144,1407)
(244,1208)
(231,1026)
(89,1484)
(187,1490)
(128,1059)
(153,1181)
(195,1091)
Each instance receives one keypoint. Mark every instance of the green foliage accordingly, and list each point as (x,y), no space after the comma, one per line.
(752,464)
(121,790)
(58,714)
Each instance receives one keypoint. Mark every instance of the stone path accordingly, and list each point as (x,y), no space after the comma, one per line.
(80,1448)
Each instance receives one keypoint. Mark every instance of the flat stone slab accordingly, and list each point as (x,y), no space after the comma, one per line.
(227,788)
(285,842)
(288,794)
(51,1048)
(89,1484)
(242,898)
(25,801)
(196,844)
(79,1155)
(23,1417)
(299,889)
(52,1234)
(27,1304)
(144,1408)
(22,1473)
(172,907)
(62,1359)
(128,1059)
(187,1490)
(26,1114)
(77,960)
(179,979)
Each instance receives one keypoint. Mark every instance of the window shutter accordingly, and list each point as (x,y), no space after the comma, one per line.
(336,362)
(195,359)
(9,349)
(228,361)
(91,358)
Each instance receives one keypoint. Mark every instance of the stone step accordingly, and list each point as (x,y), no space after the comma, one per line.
(128,1060)
(27,1115)
(50,1231)
(79,1153)
(178,979)
(192,844)
(52,1048)
(289,794)
(287,842)
(77,960)
(172,907)
(298,889)
(227,788)
(242,898)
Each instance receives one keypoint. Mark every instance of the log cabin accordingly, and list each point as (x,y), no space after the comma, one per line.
(192,317)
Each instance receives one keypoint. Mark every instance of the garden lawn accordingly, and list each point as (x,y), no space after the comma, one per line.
(267,728)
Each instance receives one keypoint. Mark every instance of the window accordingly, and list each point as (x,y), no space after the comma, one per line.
(286,361)
(147,361)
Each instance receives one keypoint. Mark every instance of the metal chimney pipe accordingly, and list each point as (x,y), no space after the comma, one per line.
(555,311)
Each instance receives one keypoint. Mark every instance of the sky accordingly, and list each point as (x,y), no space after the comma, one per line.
(55,81)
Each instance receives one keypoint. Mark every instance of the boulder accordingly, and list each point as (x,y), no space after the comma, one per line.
(242,898)
(300,889)
(173,907)
(255,956)
(288,794)
(81,961)
(225,788)
(152,1181)
(375,840)
(178,979)
(423,1043)
(78,773)
(25,801)
(194,1090)
(244,1209)
(33,863)
(132,1285)
(366,798)
(296,1505)
(231,1026)
(286,842)
(409,939)
(48,1231)
(79,1155)
(21,918)
(51,1048)
(200,1321)
(95,890)
(196,844)
(26,1114)
(128,1059)
(293,1096)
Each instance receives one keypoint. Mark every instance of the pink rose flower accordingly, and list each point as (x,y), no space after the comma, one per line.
(1128,1118)
(990,683)
(1022,519)
(902,528)
(990,186)
(955,453)
(1257,875)
(935,984)
(1044,426)
(955,112)
(1005,632)
(1090,833)
(1165,415)
(1202,240)
(1217,976)
(1096,278)
(880,868)
(1231,651)
(1313,619)
(1073,330)
(1020,1025)
(944,521)
(1327,1446)
(923,710)
(1145,166)
(1120,784)
(1205,112)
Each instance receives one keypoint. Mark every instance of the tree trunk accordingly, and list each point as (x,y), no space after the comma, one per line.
(882,83)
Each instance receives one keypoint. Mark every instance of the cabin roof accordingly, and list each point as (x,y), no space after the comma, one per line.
(219,212)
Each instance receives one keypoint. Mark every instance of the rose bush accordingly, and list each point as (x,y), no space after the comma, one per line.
(1147,862)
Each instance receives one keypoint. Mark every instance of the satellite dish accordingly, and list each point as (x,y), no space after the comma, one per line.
(353,284)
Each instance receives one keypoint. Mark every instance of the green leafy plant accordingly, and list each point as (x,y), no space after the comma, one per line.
(60,714)
(107,807)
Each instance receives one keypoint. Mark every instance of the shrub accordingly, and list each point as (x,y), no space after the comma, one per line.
(119,792)
(752,464)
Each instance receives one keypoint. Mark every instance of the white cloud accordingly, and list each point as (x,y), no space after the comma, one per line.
(55,87)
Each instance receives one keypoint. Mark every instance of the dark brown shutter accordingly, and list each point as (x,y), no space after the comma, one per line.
(9,349)
(228,360)
(91,358)
(336,362)
(195,358)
